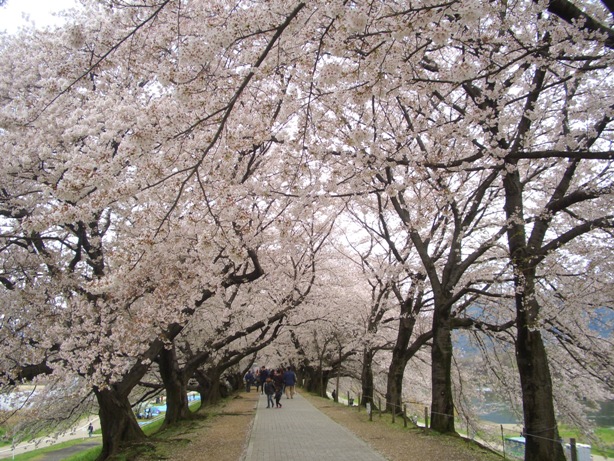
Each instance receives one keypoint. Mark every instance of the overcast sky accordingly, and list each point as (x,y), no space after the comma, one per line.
(40,12)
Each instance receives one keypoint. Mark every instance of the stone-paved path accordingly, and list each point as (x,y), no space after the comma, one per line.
(300,432)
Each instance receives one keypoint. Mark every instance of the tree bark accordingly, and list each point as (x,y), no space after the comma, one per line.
(117,421)
(176,386)
(214,391)
(315,380)
(442,401)
(540,427)
(367,377)
(398,362)
(394,388)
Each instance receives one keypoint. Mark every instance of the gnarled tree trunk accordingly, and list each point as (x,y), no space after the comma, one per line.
(442,400)
(176,386)
(214,391)
(396,370)
(367,377)
(540,427)
(117,421)
(315,380)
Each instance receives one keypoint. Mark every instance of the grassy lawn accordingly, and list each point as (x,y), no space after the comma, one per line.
(87,455)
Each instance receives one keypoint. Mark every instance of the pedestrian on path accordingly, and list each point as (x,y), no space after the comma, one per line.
(257,381)
(90,430)
(278,379)
(289,382)
(264,374)
(269,390)
(249,380)
(278,393)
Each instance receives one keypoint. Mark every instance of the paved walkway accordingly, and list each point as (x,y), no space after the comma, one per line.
(300,432)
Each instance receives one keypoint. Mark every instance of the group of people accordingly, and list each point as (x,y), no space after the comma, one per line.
(273,383)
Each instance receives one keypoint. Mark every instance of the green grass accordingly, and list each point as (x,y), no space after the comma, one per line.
(87,455)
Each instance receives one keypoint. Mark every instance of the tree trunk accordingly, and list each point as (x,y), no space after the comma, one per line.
(316,380)
(367,377)
(203,388)
(540,427)
(394,388)
(175,384)
(214,392)
(442,403)
(117,421)
(396,370)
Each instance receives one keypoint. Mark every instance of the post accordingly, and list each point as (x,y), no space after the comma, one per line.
(359,402)
(349,398)
(404,415)
(370,411)
(503,442)
(574,449)
(379,405)
(426,418)
(336,399)
(394,410)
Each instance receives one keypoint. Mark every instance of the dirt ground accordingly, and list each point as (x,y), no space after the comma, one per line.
(224,437)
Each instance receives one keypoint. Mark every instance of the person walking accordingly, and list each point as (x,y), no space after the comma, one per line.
(90,430)
(278,393)
(264,374)
(269,390)
(249,380)
(289,378)
(257,379)
(278,379)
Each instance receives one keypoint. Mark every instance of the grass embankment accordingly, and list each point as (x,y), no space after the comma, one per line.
(86,455)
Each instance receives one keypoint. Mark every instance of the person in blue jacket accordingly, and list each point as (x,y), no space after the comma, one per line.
(249,380)
(289,382)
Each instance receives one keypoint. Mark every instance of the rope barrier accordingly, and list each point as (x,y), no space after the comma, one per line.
(411,411)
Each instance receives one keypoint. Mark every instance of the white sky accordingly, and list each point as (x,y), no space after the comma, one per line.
(39,11)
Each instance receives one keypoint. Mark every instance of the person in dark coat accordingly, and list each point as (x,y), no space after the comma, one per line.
(269,390)
(289,378)
(264,374)
(278,379)
(249,380)
(278,392)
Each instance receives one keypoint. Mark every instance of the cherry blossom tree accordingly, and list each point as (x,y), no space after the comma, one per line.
(247,319)
(135,139)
